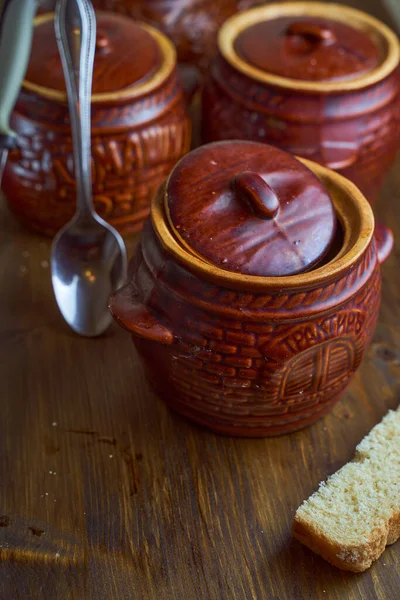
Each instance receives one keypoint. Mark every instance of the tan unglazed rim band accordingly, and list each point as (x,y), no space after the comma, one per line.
(352,209)
(168,64)
(350,16)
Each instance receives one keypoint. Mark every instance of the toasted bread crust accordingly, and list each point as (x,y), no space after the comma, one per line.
(356,555)
(356,558)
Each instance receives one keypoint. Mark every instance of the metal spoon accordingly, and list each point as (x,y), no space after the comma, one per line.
(88,257)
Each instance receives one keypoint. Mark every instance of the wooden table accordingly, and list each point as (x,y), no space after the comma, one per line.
(104,494)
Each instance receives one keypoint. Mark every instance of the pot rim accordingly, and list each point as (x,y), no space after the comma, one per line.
(359,19)
(352,209)
(167,66)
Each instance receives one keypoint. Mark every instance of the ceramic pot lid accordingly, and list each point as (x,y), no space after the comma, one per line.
(308,48)
(117,70)
(250,208)
(316,47)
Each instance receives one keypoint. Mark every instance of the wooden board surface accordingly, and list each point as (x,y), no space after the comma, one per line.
(104,494)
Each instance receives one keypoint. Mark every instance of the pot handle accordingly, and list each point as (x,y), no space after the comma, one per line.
(191,80)
(384,240)
(137,319)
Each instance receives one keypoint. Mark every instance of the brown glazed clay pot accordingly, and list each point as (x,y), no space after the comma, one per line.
(255,290)
(318,80)
(140,128)
(191,24)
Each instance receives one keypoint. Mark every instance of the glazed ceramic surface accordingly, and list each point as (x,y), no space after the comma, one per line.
(243,354)
(320,81)
(191,24)
(140,128)
(273,217)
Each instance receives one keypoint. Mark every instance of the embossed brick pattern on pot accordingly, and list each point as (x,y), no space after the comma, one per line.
(252,373)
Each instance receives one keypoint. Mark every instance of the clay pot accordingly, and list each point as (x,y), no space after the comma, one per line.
(255,290)
(191,24)
(318,80)
(140,127)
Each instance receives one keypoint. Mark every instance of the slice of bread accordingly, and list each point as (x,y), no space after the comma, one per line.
(356,512)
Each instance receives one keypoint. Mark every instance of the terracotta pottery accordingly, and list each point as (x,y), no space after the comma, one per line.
(255,290)
(191,24)
(140,127)
(318,80)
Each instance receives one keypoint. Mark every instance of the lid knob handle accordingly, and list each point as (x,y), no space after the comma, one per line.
(311,31)
(257,194)
(102,42)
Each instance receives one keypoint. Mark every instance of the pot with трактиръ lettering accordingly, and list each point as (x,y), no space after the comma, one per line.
(140,127)
(318,80)
(255,289)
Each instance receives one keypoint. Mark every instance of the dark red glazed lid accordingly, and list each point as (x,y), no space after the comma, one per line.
(308,48)
(250,208)
(117,69)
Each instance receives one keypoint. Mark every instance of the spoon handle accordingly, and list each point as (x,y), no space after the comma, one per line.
(75,29)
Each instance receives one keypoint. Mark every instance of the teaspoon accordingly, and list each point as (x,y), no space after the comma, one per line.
(88,257)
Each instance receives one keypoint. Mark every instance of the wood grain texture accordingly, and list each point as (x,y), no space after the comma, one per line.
(136,503)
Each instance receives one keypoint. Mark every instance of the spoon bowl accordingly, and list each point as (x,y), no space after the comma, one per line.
(88,264)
